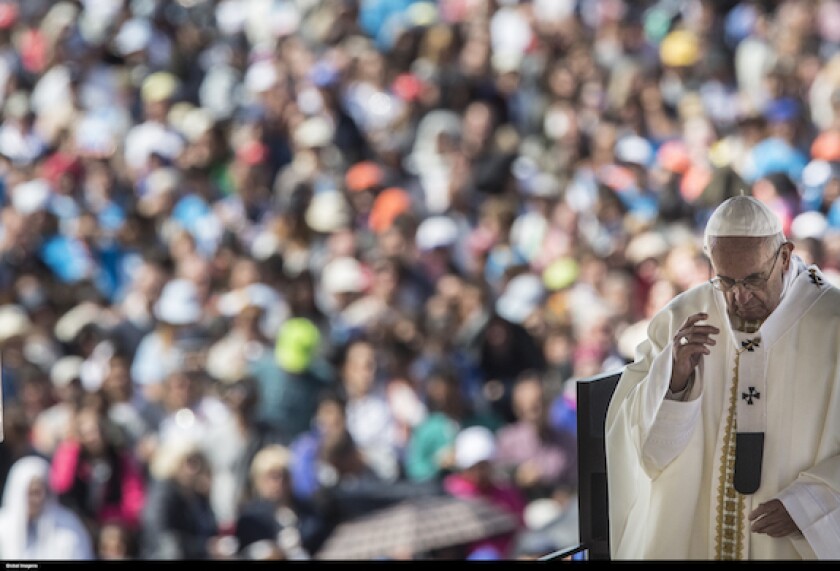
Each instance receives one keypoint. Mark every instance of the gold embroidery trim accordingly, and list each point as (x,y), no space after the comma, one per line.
(729,526)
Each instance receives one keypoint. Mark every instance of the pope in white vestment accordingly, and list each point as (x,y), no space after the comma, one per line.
(671,457)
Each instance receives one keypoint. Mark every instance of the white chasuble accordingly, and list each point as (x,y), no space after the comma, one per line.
(671,463)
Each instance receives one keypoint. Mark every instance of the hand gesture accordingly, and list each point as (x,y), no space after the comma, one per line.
(691,342)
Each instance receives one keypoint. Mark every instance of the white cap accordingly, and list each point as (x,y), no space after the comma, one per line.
(542,512)
(65,370)
(14,322)
(742,216)
(811,224)
(31,196)
(314,132)
(225,360)
(635,150)
(68,327)
(261,76)
(473,445)
(343,275)
(134,36)
(328,212)
(521,297)
(178,303)
(195,122)
(648,244)
(816,173)
(438,231)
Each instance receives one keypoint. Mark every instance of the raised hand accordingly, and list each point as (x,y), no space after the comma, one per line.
(691,342)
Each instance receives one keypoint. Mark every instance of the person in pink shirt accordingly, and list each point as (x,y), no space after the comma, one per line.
(94,476)
(476,476)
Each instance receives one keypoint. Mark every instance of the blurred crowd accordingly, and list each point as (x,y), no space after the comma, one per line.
(267,266)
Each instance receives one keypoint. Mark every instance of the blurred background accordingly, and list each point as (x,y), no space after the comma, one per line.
(286,279)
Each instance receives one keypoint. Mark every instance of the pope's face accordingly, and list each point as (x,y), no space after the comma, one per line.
(754,259)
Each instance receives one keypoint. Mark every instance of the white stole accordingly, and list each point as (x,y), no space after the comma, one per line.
(803,288)
(806,288)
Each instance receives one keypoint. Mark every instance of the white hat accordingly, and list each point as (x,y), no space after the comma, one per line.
(314,132)
(811,224)
(541,512)
(522,295)
(261,76)
(14,322)
(134,36)
(230,17)
(742,216)
(195,122)
(225,361)
(506,61)
(648,244)
(436,232)
(635,150)
(31,196)
(75,319)
(265,244)
(65,370)
(816,173)
(178,303)
(510,31)
(328,211)
(343,275)
(473,445)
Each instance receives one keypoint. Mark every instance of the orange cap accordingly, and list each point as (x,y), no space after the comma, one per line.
(826,146)
(389,204)
(362,176)
(673,156)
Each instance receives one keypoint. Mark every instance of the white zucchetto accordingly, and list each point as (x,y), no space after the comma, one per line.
(742,216)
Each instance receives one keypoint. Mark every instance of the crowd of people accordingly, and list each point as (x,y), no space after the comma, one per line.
(267,265)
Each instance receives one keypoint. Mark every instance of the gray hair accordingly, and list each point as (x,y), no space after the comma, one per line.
(773,241)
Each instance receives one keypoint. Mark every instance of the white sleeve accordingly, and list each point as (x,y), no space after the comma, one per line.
(675,420)
(815,508)
(671,432)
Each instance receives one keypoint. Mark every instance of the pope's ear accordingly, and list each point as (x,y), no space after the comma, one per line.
(787,251)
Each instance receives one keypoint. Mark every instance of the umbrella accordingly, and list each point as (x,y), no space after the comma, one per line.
(417,525)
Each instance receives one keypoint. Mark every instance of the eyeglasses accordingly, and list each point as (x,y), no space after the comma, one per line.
(750,283)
